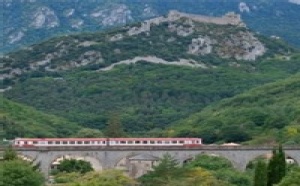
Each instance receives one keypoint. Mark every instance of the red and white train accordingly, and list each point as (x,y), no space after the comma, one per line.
(55,142)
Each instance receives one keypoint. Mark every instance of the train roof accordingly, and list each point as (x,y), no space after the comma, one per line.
(60,139)
(145,139)
(102,139)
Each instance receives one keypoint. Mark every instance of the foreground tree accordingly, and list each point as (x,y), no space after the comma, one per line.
(276,167)
(260,175)
(292,178)
(167,169)
(104,178)
(19,173)
(16,172)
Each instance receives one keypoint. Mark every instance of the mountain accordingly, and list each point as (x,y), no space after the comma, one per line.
(176,39)
(29,21)
(18,120)
(151,74)
(265,114)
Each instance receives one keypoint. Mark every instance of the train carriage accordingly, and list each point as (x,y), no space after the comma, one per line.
(57,142)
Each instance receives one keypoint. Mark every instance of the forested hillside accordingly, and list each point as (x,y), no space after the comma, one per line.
(266,114)
(150,74)
(17,120)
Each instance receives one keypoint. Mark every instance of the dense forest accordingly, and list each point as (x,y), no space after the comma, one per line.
(265,114)
(17,120)
(147,97)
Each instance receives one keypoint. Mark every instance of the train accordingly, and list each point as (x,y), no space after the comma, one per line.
(76,142)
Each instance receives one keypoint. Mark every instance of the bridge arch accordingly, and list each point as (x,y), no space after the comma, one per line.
(267,155)
(291,160)
(28,155)
(190,157)
(55,160)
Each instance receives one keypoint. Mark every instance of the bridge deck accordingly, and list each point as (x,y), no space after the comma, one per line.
(139,148)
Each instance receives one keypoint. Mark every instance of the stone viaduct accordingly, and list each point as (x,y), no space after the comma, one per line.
(112,157)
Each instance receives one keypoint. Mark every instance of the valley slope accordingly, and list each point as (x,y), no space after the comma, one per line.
(266,114)
(17,120)
(151,74)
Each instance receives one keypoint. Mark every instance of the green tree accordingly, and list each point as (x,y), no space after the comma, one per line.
(281,163)
(276,167)
(272,169)
(10,154)
(73,165)
(104,178)
(114,127)
(260,174)
(168,169)
(210,162)
(292,178)
(19,173)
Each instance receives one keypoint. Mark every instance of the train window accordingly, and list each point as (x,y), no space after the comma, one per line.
(123,142)
(57,142)
(159,142)
(86,142)
(129,142)
(174,142)
(145,142)
(151,142)
(181,142)
(72,142)
(50,142)
(103,142)
(65,142)
(167,142)
(79,142)
(35,142)
(137,142)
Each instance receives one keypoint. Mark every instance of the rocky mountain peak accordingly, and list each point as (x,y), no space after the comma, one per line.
(228,19)
(175,39)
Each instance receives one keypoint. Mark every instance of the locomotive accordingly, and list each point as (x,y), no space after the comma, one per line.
(61,142)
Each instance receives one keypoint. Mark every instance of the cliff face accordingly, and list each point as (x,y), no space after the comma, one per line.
(241,45)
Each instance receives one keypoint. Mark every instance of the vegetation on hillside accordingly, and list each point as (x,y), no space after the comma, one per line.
(147,97)
(17,120)
(266,114)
